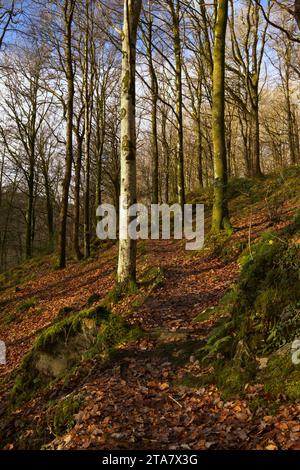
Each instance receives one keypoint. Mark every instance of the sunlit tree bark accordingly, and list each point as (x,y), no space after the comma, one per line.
(127,247)
(220,217)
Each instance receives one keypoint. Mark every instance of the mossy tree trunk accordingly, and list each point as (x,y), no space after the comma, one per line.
(68,14)
(297,16)
(220,216)
(253,86)
(100,114)
(255,133)
(154,99)
(165,153)
(30,148)
(290,118)
(195,88)
(148,40)
(88,109)
(127,247)
(45,168)
(175,10)
(77,181)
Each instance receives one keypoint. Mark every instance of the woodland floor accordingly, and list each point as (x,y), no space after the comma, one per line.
(142,401)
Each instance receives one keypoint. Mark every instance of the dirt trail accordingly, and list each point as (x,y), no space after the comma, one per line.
(142,403)
(191,285)
(136,404)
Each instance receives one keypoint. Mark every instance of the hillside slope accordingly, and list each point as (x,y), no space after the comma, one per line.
(155,391)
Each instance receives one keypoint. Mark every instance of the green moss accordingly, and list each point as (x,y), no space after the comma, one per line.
(191,381)
(293,228)
(292,171)
(142,249)
(262,312)
(125,82)
(260,405)
(151,275)
(239,186)
(281,376)
(228,376)
(63,414)
(62,330)
(139,302)
(231,379)
(119,291)
(93,299)
(205,315)
(215,243)
(150,279)
(230,252)
(27,304)
(28,378)
(267,286)
(114,332)
(16,316)
(24,272)
(82,335)
(64,312)
(53,418)
(176,348)
(11,318)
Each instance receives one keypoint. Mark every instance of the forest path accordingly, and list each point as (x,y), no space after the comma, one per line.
(191,284)
(136,404)
(141,402)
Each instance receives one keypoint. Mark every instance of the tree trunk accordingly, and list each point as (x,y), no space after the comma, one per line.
(78,165)
(49,208)
(154,146)
(296,135)
(290,118)
(175,10)
(68,19)
(255,137)
(87,137)
(254,124)
(29,212)
(165,155)
(127,247)
(220,218)
(1,174)
(199,152)
(154,100)
(100,136)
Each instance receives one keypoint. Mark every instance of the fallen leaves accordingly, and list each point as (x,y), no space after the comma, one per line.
(138,401)
(54,290)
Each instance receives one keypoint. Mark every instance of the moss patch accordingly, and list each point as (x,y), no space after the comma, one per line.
(262,313)
(62,415)
(26,305)
(119,291)
(59,348)
(266,295)
(281,376)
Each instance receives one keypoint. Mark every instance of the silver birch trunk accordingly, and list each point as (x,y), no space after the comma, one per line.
(127,247)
